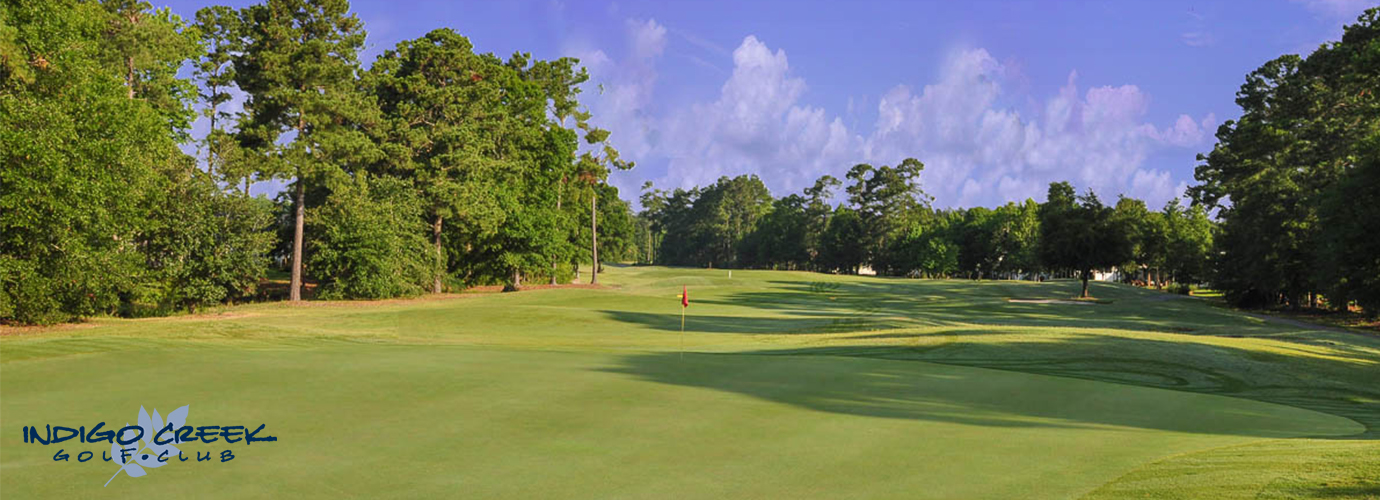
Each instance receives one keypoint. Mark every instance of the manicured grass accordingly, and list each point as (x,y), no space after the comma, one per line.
(790,385)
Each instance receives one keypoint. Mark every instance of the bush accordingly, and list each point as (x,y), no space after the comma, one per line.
(25,294)
(208,246)
(368,240)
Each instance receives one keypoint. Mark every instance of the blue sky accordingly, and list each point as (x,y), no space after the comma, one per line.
(997,98)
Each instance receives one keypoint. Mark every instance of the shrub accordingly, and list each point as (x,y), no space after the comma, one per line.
(368,240)
(208,246)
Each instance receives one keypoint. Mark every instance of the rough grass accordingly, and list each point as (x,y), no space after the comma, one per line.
(784,385)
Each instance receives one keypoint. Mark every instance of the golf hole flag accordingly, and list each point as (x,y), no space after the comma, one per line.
(684,303)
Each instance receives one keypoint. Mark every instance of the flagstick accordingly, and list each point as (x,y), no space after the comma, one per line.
(682,332)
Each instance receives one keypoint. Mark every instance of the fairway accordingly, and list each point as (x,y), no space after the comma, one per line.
(784,385)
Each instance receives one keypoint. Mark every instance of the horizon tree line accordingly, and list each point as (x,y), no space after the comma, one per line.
(887,223)
(435,168)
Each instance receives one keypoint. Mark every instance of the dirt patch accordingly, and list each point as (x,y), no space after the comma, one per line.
(7,330)
(468,292)
(199,316)
(1052,301)
(499,288)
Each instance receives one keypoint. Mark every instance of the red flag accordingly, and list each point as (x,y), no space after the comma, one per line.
(684,296)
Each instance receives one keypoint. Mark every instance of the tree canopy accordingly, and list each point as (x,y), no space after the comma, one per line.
(1286,178)
(436,167)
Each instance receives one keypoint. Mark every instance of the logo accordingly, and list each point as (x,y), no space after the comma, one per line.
(152,454)
(150,444)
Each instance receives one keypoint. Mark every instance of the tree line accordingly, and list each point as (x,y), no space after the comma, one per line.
(1296,179)
(435,167)
(886,222)
(1294,184)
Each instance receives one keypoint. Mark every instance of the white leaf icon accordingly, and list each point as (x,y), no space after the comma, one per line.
(152,439)
(115,451)
(118,456)
(147,450)
(145,422)
(178,417)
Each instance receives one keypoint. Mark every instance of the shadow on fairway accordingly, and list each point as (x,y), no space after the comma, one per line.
(828,379)
(800,322)
(881,304)
(952,302)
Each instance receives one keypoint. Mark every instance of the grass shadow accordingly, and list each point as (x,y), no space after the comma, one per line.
(951,302)
(804,377)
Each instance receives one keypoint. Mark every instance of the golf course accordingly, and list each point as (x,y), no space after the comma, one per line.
(782,385)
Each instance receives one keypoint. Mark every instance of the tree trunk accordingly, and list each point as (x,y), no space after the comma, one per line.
(440,257)
(517,279)
(212,154)
(1086,275)
(129,77)
(594,237)
(298,225)
(553,257)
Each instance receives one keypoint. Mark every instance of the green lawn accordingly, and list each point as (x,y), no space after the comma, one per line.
(790,385)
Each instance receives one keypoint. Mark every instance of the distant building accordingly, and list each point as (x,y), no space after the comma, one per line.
(1107,275)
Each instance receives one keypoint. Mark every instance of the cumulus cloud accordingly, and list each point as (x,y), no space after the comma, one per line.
(623,91)
(978,148)
(648,39)
(1155,187)
(757,124)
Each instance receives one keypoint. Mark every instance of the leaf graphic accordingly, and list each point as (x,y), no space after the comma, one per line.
(178,417)
(145,422)
(115,455)
(151,439)
(147,450)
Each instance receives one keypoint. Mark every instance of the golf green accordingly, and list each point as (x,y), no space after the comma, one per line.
(791,385)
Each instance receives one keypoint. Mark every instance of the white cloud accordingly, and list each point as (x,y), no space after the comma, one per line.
(758,125)
(623,89)
(1188,133)
(1155,187)
(1198,39)
(977,151)
(1198,31)
(648,39)
(977,147)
